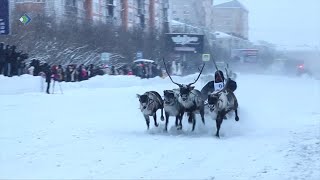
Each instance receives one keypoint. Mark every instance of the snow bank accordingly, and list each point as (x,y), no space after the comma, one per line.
(32,84)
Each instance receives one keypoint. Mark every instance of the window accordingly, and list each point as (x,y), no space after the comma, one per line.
(131,17)
(141,7)
(96,7)
(111,11)
(70,2)
(110,2)
(142,21)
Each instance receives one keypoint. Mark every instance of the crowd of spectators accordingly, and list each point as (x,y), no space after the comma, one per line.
(12,62)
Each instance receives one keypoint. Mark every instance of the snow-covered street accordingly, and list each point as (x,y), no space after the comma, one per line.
(96,131)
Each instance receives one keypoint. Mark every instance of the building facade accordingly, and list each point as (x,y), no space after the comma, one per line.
(32,7)
(146,14)
(231,18)
(192,12)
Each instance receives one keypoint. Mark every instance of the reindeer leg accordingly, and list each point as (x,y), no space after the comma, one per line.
(162,118)
(167,121)
(218,123)
(155,119)
(177,119)
(189,117)
(202,115)
(193,121)
(180,120)
(237,117)
(147,121)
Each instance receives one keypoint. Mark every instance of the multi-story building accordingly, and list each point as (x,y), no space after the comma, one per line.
(146,14)
(149,15)
(231,18)
(97,11)
(192,12)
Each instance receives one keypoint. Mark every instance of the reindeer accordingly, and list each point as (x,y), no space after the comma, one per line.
(222,102)
(190,99)
(150,103)
(172,107)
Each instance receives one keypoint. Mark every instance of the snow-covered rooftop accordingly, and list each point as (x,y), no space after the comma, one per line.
(220,34)
(231,4)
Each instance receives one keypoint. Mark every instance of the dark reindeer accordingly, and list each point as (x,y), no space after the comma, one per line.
(222,102)
(172,107)
(190,99)
(150,103)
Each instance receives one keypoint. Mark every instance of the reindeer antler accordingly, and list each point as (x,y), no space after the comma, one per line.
(169,74)
(198,76)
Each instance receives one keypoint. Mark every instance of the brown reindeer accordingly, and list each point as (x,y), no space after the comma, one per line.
(190,98)
(222,102)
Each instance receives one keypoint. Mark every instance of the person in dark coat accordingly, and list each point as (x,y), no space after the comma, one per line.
(219,80)
(219,83)
(228,83)
(48,73)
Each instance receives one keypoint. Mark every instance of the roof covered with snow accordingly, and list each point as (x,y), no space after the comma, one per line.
(231,4)
(219,34)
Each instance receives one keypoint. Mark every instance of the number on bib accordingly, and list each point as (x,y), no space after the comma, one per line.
(218,86)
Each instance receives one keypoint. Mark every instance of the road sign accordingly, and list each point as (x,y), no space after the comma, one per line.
(205,57)
(105,56)
(4,17)
(139,55)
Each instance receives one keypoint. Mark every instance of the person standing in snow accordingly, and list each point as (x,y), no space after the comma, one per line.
(48,74)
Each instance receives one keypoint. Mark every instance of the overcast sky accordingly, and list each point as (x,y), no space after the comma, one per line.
(285,22)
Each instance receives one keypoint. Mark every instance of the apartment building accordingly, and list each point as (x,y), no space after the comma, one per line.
(146,14)
(231,18)
(149,15)
(192,12)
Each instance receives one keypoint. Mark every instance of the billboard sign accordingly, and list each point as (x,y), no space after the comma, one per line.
(4,17)
(139,55)
(185,42)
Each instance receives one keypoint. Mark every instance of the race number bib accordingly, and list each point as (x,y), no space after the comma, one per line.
(218,86)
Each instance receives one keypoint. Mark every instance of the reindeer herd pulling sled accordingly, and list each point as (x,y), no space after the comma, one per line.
(187,99)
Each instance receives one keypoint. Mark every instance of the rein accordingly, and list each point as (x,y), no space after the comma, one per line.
(150,102)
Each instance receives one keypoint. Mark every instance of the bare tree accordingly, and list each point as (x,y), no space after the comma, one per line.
(67,42)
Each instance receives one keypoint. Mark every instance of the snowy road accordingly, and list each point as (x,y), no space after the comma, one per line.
(95,130)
